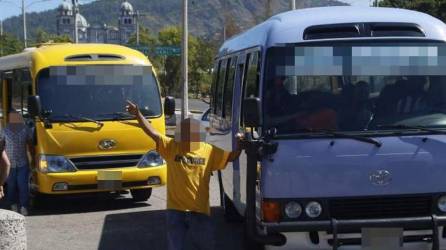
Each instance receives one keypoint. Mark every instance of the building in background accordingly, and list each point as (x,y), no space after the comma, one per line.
(96,33)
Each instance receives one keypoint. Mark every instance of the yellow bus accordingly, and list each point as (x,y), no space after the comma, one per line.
(73,97)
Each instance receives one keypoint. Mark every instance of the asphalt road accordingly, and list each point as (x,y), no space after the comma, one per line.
(115,222)
(194,105)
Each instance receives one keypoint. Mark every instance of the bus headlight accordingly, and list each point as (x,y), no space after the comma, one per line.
(55,164)
(441,203)
(313,209)
(293,209)
(151,159)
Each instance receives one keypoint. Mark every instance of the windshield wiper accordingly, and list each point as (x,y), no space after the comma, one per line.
(100,124)
(119,115)
(404,126)
(343,135)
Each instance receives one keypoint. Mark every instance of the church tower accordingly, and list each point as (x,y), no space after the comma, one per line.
(127,22)
(65,19)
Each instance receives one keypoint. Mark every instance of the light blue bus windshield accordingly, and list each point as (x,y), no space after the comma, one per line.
(355,87)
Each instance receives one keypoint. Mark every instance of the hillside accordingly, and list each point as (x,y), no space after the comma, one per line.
(206,16)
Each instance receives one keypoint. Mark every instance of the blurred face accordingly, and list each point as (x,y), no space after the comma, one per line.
(190,134)
(15,118)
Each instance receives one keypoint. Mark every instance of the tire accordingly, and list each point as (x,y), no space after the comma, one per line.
(231,213)
(38,201)
(249,244)
(139,195)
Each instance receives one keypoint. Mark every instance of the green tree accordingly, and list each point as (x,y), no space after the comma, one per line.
(170,74)
(41,36)
(9,45)
(145,38)
(61,39)
(436,8)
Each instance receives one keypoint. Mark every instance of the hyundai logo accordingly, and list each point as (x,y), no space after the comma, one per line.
(380,177)
(107,144)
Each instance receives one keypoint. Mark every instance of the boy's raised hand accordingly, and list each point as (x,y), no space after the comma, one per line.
(132,108)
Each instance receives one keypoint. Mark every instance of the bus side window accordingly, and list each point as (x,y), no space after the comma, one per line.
(228,90)
(252,76)
(219,88)
(24,81)
(214,87)
(250,80)
(18,90)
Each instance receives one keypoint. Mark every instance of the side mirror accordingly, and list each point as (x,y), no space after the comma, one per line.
(169,106)
(252,112)
(34,106)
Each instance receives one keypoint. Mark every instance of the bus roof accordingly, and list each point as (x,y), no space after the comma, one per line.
(48,55)
(289,27)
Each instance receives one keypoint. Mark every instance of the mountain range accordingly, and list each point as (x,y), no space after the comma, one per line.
(206,17)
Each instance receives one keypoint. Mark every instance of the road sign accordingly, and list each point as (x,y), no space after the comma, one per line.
(168,51)
(143,49)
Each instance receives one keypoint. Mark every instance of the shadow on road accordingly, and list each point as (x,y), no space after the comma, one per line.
(84,204)
(147,230)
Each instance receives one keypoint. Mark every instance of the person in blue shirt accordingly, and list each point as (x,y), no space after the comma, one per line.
(16,136)
(5,166)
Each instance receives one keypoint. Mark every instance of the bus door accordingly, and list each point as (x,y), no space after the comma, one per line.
(248,76)
(7,79)
(236,128)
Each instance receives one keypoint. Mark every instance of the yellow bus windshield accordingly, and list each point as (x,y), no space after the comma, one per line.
(97,92)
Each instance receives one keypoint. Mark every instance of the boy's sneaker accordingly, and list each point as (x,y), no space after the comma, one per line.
(14,208)
(24,211)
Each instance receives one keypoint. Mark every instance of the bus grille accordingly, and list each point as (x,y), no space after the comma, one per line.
(112,161)
(388,207)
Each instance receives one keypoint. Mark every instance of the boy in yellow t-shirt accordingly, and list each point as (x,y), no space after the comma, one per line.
(190,162)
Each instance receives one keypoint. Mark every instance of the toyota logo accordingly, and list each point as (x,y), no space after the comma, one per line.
(107,144)
(380,177)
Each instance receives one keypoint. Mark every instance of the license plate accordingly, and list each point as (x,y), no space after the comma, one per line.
(382,238)
(109,179)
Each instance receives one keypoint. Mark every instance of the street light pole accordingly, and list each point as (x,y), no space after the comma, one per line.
(137,28)
(293,4)
(23,8)
(25,38)
(184,51)
(1,37)
(76,31)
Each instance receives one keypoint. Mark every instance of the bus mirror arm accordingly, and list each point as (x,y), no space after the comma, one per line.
(254,150)
(34,106)
(35,110)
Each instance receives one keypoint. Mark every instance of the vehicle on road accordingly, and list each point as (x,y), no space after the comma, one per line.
(73,97)
(345,116)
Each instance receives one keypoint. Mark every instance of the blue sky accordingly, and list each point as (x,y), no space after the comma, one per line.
(11,7)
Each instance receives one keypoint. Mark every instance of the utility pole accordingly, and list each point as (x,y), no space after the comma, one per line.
(25,38)
(184,51)
(137,15)
(1,37)
(76,31)
(137,28)
(293,4)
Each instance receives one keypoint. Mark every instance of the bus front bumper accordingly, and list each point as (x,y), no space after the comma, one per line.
(86,181)
(336,227)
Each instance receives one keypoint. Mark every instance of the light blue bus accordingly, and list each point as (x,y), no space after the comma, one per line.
(345,112)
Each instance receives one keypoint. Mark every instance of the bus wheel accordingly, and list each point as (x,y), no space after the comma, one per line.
(231,213)
(139,195)
(37,201)
(249,244)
